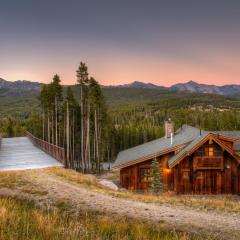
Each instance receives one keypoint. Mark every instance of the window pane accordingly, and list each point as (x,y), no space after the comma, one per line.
(143,173)
(211,152)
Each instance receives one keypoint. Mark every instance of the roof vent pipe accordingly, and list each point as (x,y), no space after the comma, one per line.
(171,138)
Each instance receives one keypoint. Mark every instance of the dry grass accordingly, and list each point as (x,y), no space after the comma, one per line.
(35,190)
(23,221)
(20,180)
(85,180)
(64,221)
(228,203)
(12,179)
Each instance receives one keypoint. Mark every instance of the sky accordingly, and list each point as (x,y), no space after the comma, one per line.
(162,42)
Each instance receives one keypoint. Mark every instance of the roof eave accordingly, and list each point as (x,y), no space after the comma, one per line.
(157,154)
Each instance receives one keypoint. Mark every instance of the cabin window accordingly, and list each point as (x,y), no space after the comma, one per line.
(185,175)
(209,151)
(144,172)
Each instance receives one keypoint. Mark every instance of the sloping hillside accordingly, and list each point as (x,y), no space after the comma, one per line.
(75,194)
(20,98)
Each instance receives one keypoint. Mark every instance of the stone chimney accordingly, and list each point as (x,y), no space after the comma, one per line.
(169,128)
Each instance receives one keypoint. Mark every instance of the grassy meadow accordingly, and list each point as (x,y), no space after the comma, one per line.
(22,220)
(27,211)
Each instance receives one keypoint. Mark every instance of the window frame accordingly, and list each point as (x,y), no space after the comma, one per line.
(142,171)
(209,151)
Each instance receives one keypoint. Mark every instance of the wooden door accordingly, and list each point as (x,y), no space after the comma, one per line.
(213,182)
(207,182)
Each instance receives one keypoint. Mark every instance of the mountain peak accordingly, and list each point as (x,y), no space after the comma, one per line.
(138,84)
(192,86)
(191,82)
(23,85)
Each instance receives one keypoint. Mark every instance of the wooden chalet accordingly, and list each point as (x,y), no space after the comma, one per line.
(192,161)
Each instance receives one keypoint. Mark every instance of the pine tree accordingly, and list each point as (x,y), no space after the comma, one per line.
(155,178)
(83,81)
(56,91)
(70,107)
(99,121)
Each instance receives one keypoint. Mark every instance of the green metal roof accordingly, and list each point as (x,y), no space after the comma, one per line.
(183,135)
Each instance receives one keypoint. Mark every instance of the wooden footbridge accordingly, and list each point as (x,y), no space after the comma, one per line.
(29,153)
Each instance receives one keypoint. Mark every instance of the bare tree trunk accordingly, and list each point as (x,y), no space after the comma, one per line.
(43,126)
(64,130)
(56,122)
(87,146)
(52,129)
(70,138)
(73,139)
(96,134)
(67,133)
(49,137)
(82,131)
(94,148)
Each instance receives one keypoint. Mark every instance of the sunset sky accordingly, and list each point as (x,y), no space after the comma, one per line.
(163,42)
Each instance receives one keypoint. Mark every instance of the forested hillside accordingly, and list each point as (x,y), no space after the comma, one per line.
(128,116)
(21,104)
(133,122)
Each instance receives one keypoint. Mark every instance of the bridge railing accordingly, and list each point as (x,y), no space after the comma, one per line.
(56,152)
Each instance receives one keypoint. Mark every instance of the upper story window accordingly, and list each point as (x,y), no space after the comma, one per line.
(209,151)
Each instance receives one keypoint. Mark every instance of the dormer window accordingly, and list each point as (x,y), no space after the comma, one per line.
(209,151)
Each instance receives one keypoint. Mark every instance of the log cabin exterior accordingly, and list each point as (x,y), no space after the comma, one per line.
(192,161)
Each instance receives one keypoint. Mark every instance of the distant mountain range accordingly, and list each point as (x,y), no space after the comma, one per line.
(18,88)
(138,84)
(191,86)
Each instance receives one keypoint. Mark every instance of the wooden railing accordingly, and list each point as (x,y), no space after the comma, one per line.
(56,152)
(208,163)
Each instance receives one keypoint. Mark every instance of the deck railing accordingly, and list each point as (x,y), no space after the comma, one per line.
(56,152)
(208,163)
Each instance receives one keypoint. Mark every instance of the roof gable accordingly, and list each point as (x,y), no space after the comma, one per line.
(194,145)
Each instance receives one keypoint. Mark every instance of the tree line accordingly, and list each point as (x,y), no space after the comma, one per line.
(78,125)
(134,125)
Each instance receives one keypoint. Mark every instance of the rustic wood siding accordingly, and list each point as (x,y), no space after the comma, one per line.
(207,181)
(205,171)
(130,177)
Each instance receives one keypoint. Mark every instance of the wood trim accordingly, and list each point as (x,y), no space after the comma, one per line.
(229,150)
(188,153)
(231,139)
(221,166)
(204,140)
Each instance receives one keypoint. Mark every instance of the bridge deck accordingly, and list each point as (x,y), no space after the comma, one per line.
(20,154)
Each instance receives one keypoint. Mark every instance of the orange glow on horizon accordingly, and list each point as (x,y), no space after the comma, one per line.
(125,68)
